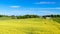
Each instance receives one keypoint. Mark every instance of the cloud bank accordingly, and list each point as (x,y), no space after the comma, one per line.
(14,6)
(45,3)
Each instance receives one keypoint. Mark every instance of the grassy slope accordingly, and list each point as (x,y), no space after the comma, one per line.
(29,26)
(57,19)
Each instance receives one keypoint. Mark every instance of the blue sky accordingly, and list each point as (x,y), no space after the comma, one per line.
(22,7)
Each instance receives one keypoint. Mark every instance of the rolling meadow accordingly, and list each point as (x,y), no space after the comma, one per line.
(29,16)
(29,26)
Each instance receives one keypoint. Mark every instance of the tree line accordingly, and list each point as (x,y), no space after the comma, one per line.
(21,17)
(51,15)
(28,16)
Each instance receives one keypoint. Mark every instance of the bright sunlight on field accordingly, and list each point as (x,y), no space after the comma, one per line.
(29,26)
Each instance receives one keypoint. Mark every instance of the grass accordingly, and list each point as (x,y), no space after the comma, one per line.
(57,19)
(29,26)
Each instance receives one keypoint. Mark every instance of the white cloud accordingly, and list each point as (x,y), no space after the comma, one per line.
(47,12)
(45,3)
(45,8)
(14,6)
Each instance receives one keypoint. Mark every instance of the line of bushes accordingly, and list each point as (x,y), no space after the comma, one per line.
(29,16)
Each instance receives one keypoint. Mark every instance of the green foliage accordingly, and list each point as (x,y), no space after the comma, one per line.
(21,17)
(30,16)
(27,16)
(44,17)
(1,15)
(13,17)
(51,16)
(57,19)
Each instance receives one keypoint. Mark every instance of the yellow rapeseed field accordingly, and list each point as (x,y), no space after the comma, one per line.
(29,26)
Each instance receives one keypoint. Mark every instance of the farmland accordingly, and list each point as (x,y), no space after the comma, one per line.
(29,26)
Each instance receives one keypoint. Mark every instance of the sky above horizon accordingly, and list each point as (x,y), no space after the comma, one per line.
(22,7)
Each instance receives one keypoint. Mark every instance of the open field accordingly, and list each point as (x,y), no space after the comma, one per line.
(29,26)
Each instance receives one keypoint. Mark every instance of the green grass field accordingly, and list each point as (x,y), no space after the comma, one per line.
(57,19)
(29,26)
